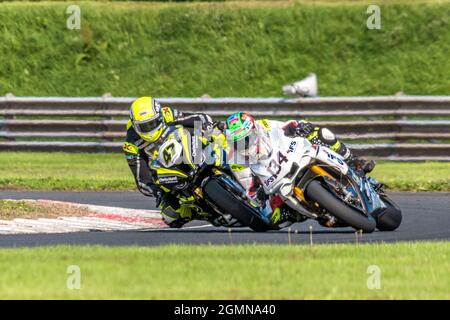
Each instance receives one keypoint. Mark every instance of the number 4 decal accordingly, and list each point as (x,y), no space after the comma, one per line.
(281,158)
(274,167)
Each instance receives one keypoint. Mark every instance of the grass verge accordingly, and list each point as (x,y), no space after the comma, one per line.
(247,48)
(82,171)
(31,209)
(64,171)
(414,176)
(408,271)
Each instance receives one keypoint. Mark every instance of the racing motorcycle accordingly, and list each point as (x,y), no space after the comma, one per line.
(313,182)
(193,169)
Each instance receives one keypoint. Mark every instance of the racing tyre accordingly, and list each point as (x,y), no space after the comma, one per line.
(230,203)
(327,200)
(390,218)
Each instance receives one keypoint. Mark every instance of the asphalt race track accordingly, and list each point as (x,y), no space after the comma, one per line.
(426,216)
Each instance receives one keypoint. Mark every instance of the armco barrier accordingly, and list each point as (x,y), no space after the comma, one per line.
(378,127)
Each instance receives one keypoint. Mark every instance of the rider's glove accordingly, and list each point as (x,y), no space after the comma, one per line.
(207,126)
(220,125)
(304,129)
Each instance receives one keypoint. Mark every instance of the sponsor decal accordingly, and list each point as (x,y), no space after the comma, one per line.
(247,124)
(334,158)
(195,146)
(275,168)
(292,147)
(269,181)
(168,179)
(265,125)
(168,117)
(233,120)
(131,148)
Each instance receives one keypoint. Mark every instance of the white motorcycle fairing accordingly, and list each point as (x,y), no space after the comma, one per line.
(289,156)
(284,165)
(331,158)
(294,163)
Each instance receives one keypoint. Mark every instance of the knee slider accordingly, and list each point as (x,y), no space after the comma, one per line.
(169,214)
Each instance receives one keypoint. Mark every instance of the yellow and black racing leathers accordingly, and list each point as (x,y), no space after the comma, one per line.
(139,153)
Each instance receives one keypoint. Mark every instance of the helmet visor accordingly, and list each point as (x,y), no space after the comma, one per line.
(148,125)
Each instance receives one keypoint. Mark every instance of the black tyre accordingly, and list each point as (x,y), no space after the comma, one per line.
(317,193)
(390,218)
(231,204)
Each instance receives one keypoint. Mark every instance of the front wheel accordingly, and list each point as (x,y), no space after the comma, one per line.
(390,218)
(229,203)
(317,193)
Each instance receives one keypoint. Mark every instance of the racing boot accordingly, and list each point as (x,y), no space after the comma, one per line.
(172,217)
(282,215)
(177,212)
(279,218)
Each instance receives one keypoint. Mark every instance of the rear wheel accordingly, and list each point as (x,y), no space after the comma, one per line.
(230,203)
(327,200)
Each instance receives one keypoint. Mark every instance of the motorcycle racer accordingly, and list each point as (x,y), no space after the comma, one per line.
(251,142)
(147,129)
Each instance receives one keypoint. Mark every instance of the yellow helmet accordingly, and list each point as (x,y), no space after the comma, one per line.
(145,115)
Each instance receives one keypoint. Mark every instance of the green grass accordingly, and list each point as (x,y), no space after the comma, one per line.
(224,49)
(83,171)
(12,209)
(420,176)
(64,171)
(408,271)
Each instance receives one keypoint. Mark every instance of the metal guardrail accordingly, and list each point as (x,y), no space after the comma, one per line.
(305,107)
(378,127)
